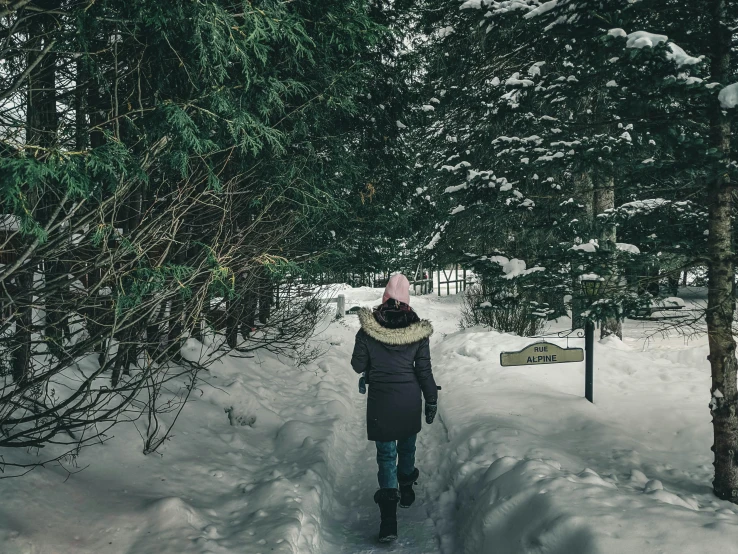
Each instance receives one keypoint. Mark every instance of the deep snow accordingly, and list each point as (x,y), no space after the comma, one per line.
(518,461)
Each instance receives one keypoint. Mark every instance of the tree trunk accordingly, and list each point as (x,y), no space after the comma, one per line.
(55,269)
(80,107)
(584,190)
(128,218)
(96,111)
(21,344)
(233,316)
(720,299)
(673,280)
(41,130)
(153,330)
(604,199)
(585,196)
(176,334)
(248,316)
(265,296)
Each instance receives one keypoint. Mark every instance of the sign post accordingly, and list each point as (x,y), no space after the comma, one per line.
(589,363)
(592,287)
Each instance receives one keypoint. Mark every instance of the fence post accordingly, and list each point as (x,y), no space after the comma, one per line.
(341,306)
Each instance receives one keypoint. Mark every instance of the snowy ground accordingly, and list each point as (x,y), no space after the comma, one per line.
(518,462)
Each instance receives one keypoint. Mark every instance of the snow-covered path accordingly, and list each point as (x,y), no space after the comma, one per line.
(352,521)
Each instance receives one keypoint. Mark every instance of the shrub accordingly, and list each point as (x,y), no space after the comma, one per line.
(504,311)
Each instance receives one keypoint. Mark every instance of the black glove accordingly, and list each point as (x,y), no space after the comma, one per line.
(430,412)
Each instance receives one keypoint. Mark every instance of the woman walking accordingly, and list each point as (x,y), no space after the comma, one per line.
(393,351)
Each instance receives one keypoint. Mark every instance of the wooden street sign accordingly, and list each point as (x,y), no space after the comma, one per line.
(541,353)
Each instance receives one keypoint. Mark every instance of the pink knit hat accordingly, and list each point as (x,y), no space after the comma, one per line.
(398,288)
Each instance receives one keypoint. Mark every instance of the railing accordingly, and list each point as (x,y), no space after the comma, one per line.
(448,281)
(424,286)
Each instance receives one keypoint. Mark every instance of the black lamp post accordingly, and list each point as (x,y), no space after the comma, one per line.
(592,286)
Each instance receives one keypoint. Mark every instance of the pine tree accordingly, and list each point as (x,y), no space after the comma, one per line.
(567,127)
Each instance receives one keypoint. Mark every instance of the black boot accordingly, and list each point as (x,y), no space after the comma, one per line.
(387,500)
(407,494)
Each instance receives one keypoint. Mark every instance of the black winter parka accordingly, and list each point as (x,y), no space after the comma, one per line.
(398,367)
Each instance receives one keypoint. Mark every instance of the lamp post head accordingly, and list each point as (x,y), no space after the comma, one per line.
(592,285)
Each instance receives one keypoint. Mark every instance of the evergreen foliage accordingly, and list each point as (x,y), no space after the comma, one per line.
(561,124)
(569,139)
(163,164)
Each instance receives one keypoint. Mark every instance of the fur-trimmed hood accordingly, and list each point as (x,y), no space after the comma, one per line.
(404,335)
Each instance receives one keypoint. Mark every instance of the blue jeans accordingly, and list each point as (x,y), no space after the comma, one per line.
(387,460)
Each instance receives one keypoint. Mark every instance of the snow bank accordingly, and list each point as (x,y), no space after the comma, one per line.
(535,468)
(250,467)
